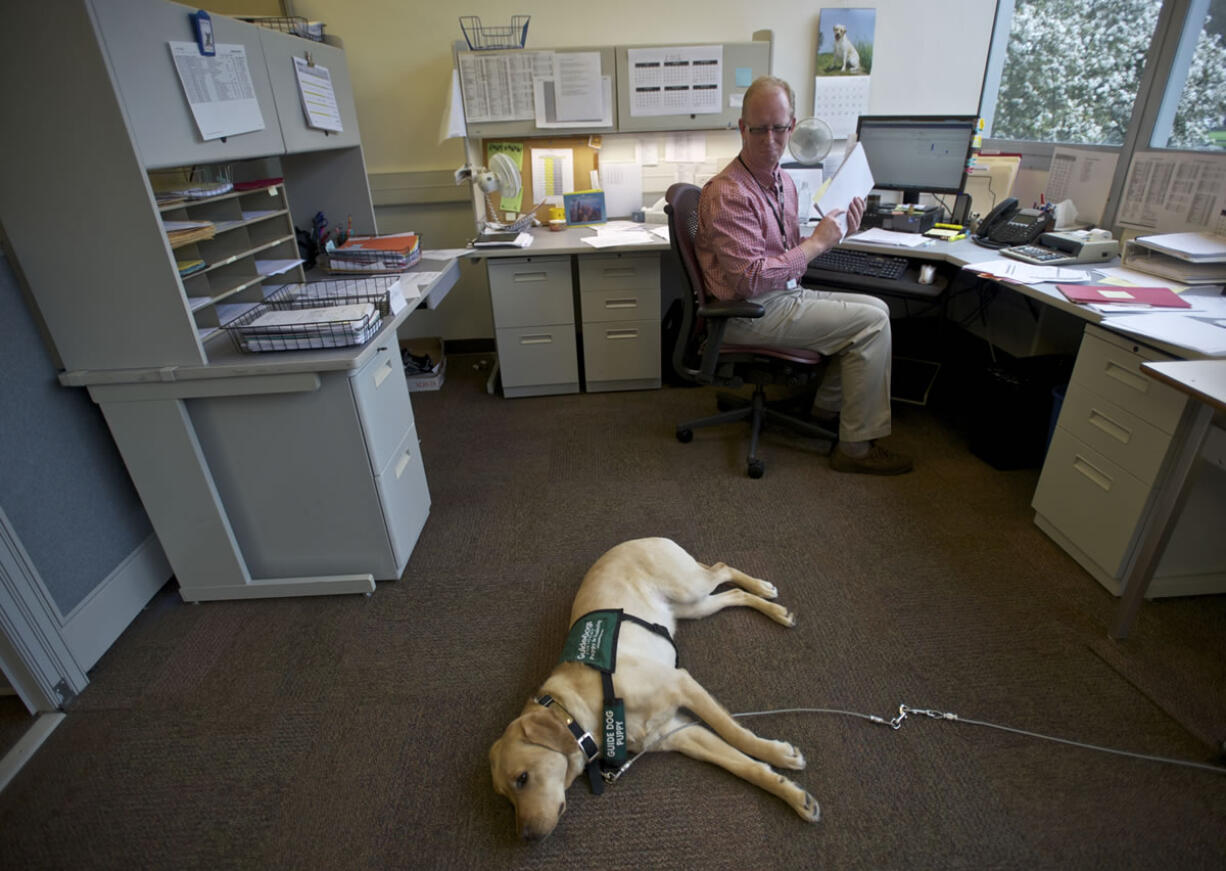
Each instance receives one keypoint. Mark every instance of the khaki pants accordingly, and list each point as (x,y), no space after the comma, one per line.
(853,330)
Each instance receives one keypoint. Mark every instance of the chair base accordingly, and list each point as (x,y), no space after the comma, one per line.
(758,412)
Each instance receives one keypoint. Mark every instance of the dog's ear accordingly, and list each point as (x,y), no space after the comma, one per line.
(542,727)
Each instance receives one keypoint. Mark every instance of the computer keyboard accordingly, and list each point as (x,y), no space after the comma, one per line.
(860,263)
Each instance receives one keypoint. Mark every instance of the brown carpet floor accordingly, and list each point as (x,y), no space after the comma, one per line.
(351,732)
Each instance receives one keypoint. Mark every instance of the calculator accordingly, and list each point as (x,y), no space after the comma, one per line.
(1039,255)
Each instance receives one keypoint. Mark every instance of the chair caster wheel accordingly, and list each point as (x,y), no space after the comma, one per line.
(757,468)
(685,436)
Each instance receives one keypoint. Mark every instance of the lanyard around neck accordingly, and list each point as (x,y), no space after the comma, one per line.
(776,206)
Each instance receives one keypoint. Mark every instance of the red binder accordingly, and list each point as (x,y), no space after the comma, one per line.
(1162,297)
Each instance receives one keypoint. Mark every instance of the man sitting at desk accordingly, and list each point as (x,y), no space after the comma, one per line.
(749,247)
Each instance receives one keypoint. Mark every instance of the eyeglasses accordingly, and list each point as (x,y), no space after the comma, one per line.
(776,129)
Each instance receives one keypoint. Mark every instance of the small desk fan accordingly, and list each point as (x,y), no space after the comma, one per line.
(811,141)
(500,179)
(809,144)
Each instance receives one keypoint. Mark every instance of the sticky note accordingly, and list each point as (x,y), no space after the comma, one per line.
(744,77)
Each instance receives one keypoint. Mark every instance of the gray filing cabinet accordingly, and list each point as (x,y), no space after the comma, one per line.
(351,443)
(1106,458)
(533,300)
(534,325)
(620,304)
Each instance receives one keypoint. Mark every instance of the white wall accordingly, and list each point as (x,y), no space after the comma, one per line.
(928,55)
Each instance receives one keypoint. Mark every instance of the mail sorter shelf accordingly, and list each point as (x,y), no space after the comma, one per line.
(253,246)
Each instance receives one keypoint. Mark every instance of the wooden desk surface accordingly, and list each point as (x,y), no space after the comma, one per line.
(1204,379)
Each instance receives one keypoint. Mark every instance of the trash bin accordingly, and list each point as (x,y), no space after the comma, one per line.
(1011,425)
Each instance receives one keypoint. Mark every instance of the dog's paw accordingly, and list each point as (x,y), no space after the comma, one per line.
(790,757)
(779,614)
(769,590)
(809,810)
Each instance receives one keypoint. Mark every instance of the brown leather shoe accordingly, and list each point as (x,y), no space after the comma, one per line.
(878,461)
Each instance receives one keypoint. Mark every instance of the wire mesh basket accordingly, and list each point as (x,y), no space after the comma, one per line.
(320,314)
(481,38)
(292,24)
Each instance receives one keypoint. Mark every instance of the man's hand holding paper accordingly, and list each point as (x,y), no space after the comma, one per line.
(852,181)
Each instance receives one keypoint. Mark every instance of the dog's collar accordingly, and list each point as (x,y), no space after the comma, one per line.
(591,750)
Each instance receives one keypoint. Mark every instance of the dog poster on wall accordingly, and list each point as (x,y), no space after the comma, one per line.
(844,66)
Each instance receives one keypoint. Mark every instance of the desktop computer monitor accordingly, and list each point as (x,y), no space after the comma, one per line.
(916,154)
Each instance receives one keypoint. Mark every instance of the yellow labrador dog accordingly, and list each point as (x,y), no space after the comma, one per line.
(653,582)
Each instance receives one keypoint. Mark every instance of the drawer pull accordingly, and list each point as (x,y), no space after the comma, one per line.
(1127,377)
(1087,469)
(621,334)
(619,272)
(403,462)
(530,276)
(536,340)
(384,371)
(630,302)
(1110,427)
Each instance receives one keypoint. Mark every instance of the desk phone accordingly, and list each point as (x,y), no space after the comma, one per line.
(1062,249)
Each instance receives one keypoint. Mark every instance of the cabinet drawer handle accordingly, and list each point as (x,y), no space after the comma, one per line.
(1087,469)
(628,302)
(1121,434)
(384,371)
(1127,377)
(403,462)
(530,276)
(536,340)
(619,272)
(621,334)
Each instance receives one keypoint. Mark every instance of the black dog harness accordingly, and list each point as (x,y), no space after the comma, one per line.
(592,641)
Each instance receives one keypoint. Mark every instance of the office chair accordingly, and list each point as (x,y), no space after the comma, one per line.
(701,356)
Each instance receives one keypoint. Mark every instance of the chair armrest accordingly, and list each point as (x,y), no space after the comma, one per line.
(735,308)
(717,314)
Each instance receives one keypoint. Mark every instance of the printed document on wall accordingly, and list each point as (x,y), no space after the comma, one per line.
(553,174)
(678,80)
(1175,193)
(577,85)
(318,98)
(498,87)
(1083,176)
(218,89)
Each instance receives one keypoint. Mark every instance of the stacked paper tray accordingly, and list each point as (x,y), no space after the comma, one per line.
(325,314)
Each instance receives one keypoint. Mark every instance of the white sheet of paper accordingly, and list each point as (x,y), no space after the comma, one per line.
(219,89)
(545,105)
(891,237)
(1083,176)
(854,179)
(452,124)
(1157,194)
(1026,273)
(625,237)
(685,147)
(577,85)
(318,97)
(622,184)
(274,267)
